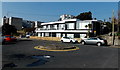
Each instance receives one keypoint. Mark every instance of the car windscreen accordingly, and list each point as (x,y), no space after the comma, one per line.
(100,38)
(7,36)
(12,37)
(92,38)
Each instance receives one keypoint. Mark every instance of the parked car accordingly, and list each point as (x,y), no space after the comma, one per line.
(94,40)
(24,36)
(27,36)
(68,39)
(8,38)
(14,39)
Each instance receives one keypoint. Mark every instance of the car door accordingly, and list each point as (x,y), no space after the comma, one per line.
(94,41)
(91,41)
(66,39)
(88,41)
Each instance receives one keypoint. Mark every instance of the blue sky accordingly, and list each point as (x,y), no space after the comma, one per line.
(50,11)
(59,0)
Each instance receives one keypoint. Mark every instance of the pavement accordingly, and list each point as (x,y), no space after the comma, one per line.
(115,46)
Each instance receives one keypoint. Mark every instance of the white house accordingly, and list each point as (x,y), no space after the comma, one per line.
(70,28)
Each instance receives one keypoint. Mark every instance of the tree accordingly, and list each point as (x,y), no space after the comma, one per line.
(109,26)
(8,29)
(85,16)
(89,26)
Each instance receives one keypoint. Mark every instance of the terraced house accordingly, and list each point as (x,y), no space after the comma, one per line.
(70,27)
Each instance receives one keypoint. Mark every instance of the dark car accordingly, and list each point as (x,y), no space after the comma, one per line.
(13,39)
(94,40)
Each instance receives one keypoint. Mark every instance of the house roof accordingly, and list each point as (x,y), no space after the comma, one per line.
(63,21)
(66,20)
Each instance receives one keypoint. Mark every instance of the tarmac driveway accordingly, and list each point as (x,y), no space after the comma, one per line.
(23,55)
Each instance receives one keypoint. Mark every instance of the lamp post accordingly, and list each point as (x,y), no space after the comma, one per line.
(113,36)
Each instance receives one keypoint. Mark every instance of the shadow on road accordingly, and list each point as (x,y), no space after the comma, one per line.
(18,56)
(8,43)
(42,59)
(25,40)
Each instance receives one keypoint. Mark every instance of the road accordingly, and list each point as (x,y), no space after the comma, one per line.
(88,56)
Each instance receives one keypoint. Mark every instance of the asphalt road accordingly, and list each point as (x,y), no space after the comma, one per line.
(88,56)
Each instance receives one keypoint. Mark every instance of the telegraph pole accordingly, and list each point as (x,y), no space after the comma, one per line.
(113,36)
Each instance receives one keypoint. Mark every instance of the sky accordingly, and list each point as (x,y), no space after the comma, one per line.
(60,0)
(50,11)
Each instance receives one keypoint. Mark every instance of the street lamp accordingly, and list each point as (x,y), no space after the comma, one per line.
(113,36)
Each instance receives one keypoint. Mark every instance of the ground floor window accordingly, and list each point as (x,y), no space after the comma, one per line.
(51,34)
(58,34)
(76,35)
(83,35)
(70,35)
(46,34)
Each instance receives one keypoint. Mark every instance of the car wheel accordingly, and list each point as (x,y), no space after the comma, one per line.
(71,41)
(83,43)
(98,44)
(3,42)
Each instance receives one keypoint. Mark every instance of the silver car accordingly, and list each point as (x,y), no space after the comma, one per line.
(94,40)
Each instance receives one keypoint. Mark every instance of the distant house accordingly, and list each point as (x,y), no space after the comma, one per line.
(5,20)
(28,24)
(70,27)
(38,24)
(20,23)
(17,22)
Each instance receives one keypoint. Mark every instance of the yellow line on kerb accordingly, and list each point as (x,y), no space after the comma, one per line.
(36,47)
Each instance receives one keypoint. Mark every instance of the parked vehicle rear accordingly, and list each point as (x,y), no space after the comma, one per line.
(8,38)
(94,40)
(68,39)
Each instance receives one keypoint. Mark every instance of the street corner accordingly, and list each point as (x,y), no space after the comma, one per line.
(43,48)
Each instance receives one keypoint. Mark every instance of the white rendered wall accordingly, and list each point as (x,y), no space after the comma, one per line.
(42,34)
(58,34)
(39,34)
